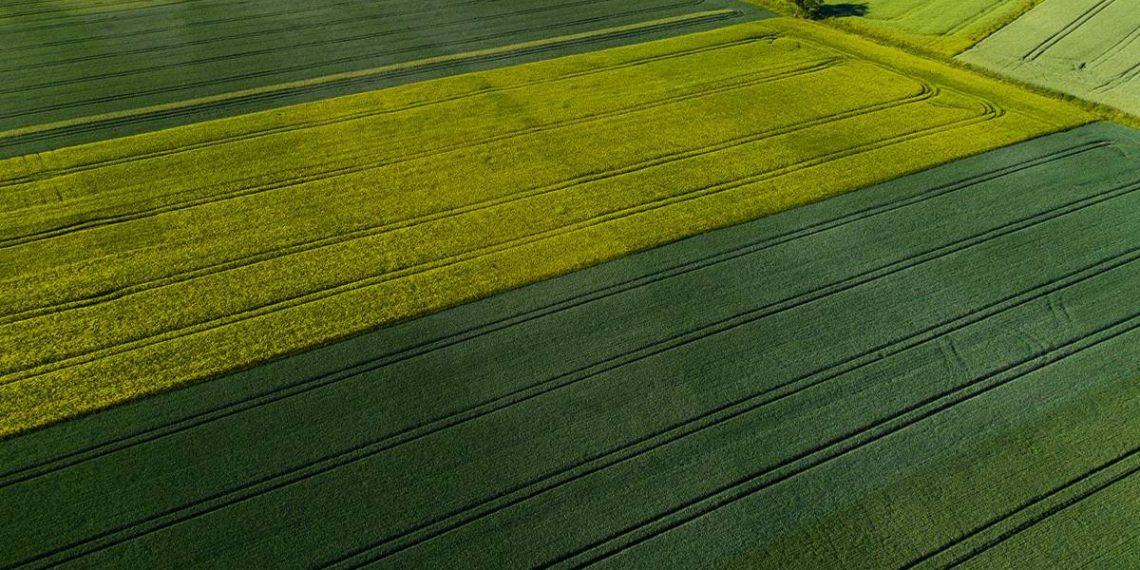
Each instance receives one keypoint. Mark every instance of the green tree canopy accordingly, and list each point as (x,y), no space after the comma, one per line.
(808,8)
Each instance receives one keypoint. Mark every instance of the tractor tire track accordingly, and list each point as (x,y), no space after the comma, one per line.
(357,83)
(456,519)
(187,85)
(110,294)
(304,124)
(29,373)
(324,465)
(726,495)
(1033,511)
(729,84)
(1067,30)
(100,450)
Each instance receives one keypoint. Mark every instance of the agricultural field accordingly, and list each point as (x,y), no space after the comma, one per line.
(77,71)
(1086,48)
(936,371)
(557,284)
(148,262)
(946,27)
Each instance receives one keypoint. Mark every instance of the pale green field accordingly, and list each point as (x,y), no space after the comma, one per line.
(947,27)
(1087,48)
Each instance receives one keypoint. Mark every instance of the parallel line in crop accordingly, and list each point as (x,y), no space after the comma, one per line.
(1035,510)
(924,93)
(68,18)
(350,79)
(1116,48)
(1067,30)
(458,518)
(38,64)
(1122,78)
(307,123)
(1070,502)
(54,84)
(851,442)
(740,81)
(913,9)
(8,5)
(988,112)
(84,454)
(266,484)
(189,25)
(908,11)
(69,13)
(994,6)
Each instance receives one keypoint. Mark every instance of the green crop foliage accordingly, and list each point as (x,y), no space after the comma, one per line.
(77,71)
(1084,48)
(937,370)
(945,27)
(145,263)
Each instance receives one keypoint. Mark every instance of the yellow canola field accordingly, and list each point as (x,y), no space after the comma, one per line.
(136,265)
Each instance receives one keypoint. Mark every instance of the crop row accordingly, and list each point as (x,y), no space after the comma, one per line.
(1087,48)
(89,67)
(826,371)
(116,302)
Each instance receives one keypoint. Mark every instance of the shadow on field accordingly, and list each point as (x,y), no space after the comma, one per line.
(842,10)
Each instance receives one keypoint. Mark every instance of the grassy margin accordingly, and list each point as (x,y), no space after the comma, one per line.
(1100,110)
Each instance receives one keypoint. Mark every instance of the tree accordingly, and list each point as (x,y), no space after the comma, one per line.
(808,8)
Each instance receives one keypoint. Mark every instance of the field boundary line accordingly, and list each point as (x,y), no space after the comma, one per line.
(85,454)
(288,87)
(593,370)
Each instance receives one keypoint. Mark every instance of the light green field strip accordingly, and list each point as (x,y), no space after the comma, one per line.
(1087,48)
(947,27)
(934,371)
(139,265)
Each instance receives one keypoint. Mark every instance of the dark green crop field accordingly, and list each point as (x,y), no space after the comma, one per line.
(76,72)
(936,371)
